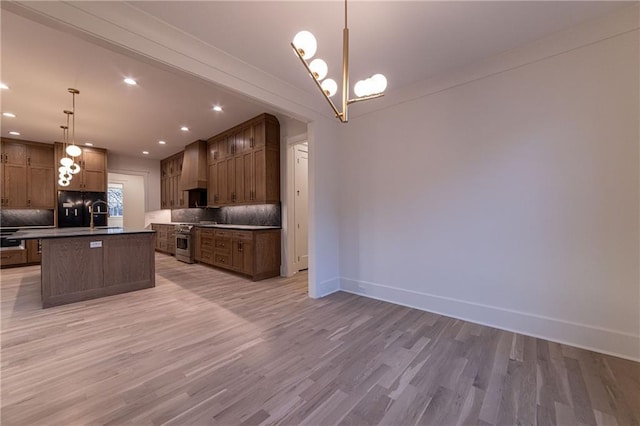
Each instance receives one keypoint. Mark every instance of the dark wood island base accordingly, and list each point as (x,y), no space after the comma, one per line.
(87,267)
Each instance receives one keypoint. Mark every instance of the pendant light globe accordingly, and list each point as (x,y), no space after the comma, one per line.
(73,150)
(66,162)
(305,44)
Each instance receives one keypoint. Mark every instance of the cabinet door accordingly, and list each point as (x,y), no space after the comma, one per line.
(266,175)
(260,174)
(14,188)
(242,255)
(164,169)
(40,177)
(14,153)
(163,193)
(212,152)
(197,249)
(206,246)
(94,170)
(41,182)
(249,177)
(92,181)
(171,239)
(223,187)
(259,134)
(34,251)
(212,185)
(41,156)
(239,188)
(247,139)
(172,191)
(247,257)
(231,180)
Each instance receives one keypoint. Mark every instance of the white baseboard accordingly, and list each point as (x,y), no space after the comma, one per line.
(611,342)
(328,287)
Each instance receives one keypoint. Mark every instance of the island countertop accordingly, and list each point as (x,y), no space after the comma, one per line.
(42,234)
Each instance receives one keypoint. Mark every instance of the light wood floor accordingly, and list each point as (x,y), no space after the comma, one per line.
(208,348)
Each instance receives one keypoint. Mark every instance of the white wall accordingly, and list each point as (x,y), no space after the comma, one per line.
(148,169)
(511,200)
(324,207)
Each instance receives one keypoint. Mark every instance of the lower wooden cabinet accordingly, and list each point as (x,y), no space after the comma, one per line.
(31,254)
(252,253)
(34,251)
(204,246)
(13,257)
(165,238)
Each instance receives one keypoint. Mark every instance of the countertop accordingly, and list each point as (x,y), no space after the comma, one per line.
(223,226)
(40,234)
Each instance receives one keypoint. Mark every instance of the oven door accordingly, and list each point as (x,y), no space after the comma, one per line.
(183,248)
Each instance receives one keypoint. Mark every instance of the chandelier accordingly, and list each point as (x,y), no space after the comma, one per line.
(68,166)
(304,44)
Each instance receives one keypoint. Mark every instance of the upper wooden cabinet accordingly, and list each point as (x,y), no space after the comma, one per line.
(93,169)
(171,196)
(28,175)
(244,164)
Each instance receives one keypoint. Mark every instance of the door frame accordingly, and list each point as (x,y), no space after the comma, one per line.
(288,220)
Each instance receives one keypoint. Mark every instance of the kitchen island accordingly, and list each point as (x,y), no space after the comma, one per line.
(81,263)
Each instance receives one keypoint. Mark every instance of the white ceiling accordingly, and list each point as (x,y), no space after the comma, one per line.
(407,41)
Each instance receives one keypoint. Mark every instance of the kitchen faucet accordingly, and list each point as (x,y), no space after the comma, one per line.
(91,212)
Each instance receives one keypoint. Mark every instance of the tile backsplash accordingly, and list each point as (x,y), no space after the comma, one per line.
(26,217)
(257,215)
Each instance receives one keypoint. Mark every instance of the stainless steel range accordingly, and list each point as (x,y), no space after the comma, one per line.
(185,242)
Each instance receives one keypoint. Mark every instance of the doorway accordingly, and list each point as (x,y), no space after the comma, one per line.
(301,206)
(131,206)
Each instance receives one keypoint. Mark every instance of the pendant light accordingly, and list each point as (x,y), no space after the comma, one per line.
(64,178)
(305,45)
(73,150)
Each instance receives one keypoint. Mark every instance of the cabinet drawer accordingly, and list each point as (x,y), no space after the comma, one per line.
(222,245)
(243,235)
(206,256)
(206,242)
(222,260)
(13,257)
(225,234)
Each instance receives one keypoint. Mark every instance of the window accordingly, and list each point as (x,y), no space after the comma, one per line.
(114,199)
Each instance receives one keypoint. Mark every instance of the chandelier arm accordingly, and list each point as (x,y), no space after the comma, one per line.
(345,69)
(339,115)
(365,98)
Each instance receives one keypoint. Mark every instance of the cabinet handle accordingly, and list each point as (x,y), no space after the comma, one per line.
(5,257)
(252,142)
(240,246)
(29,203)
(28,161)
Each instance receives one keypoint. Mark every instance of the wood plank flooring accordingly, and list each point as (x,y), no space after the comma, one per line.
(208,348)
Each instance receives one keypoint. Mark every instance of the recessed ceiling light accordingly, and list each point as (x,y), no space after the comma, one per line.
(162,142)
(14,133)
(184,128)
(145,152)
(88,144)
(130,81)
(3,86)
(217,108)
(9,114)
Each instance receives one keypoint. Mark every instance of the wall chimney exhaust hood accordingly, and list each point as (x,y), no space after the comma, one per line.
(194,167)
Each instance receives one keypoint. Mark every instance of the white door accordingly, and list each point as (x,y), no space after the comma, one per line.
(301,188)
